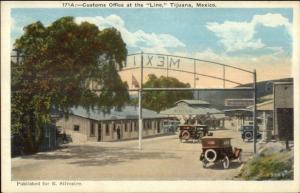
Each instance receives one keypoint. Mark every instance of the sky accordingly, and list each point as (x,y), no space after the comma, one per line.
(259,38)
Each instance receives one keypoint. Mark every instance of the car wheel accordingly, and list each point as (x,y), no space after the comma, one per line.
(248,135)
(185,135)
(226,162)
(210,155)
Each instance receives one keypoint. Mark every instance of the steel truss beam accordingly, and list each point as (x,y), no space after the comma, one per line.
(185,71)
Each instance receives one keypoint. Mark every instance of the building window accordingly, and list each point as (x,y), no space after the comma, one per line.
(130,123)
(158,127)
(106,129)
(92,129)
(76,128)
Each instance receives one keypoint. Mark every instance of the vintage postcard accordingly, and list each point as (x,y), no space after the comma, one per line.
(158,96)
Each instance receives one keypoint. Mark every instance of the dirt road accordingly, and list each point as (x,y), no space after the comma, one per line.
(162,158)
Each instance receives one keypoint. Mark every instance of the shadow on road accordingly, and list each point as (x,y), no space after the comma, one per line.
(219,166)
(100,156)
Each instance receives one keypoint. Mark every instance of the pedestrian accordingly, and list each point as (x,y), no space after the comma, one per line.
(118,132)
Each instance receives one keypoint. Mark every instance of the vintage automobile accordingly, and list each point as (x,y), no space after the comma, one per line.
(247,132)
(193,132)
(219,149)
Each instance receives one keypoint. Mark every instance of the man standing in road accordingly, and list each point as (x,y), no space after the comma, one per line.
(118,132)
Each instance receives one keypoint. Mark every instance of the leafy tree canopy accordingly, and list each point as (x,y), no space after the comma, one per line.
(59,64)
(160,100)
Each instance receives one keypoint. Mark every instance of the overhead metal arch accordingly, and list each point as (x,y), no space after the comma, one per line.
(167,66)
(184,71)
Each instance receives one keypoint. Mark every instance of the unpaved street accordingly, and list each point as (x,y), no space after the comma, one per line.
(162,158)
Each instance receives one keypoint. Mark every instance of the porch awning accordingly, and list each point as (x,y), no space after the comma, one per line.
(238,112)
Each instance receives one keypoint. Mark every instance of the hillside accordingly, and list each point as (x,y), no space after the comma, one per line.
(216,98)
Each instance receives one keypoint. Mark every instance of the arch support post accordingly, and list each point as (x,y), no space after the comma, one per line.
(254,113)
(140,104)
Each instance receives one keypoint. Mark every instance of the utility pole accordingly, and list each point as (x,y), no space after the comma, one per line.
(254,113)
(140,103)
(194,73)
(223,76)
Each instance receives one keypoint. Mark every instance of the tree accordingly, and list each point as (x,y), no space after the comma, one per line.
(60,62)
(160,100)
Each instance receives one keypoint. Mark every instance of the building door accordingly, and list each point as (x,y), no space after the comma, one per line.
(99,132)
(118,132)
(285,117)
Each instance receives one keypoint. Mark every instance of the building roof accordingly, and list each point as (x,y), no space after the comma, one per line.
(239,99)
(237,110)
(278,83)
(127,112)
(193,102)
(267,97)
(264,106)
(188,110)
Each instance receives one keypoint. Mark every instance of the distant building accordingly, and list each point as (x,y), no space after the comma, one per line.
(121,124)
(265,117)
(193,103)
(191,107)
(274,114)
(186,110)
(235,118)
(283,110)
(238,103)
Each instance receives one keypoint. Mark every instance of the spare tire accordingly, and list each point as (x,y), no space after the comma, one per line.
(185,135)
(248,135)
(210,155)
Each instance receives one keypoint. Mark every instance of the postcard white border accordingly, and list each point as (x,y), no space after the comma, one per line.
(143,186)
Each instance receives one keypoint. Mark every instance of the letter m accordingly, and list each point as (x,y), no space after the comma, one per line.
(174,62)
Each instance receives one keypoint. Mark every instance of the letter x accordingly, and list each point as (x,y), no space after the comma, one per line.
(149,60)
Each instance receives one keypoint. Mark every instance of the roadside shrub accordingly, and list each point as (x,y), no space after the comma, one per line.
(278,166)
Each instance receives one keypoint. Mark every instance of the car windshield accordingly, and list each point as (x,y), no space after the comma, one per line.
(248,127)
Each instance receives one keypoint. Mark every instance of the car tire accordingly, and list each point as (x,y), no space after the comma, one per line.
(210,155)
(185,135)
(248,135)
(226,162)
